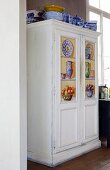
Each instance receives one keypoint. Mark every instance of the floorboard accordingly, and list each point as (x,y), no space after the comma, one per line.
(98,159)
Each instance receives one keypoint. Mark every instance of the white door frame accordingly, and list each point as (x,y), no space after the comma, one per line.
(13,87)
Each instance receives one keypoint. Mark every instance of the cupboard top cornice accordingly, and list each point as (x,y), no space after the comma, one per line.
(63,25)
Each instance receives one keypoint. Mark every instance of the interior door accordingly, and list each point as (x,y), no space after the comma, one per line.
(67,90)
(89,88)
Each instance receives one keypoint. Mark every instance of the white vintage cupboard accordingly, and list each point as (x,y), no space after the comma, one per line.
(62,91)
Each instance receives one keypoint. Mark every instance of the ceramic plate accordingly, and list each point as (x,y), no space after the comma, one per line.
(67,48)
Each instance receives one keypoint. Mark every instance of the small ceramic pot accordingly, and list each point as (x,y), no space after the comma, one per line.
(63,75)
(69,69)
(87,70)
(78,21)
(87,53)
(89,93)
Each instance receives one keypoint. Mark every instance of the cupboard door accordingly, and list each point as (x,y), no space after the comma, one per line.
(90,122)
(67,90)
(89,88)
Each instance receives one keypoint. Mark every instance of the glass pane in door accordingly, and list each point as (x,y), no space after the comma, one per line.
(89,69)
(68,68)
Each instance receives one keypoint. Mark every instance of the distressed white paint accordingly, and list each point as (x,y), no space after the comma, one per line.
(58,131)
(12,85)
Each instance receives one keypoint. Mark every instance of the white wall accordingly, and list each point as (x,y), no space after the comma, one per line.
(12,86)
(23,85)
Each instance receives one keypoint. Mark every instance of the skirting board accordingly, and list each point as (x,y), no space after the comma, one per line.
(64,156)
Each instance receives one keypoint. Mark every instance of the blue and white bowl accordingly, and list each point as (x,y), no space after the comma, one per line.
(54,15)
(91,25)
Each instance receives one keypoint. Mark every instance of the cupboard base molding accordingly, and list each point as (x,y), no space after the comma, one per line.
(75,152)
(35,158)
(66,155)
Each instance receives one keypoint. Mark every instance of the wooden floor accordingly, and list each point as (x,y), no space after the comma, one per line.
(96,160)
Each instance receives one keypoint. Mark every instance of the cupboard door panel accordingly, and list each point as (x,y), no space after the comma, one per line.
(91,125)
(68,127)
(67,131)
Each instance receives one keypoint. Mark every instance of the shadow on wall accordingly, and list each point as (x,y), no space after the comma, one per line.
(71,6)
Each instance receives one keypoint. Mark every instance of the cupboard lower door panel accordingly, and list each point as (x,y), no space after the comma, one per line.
(90,122)
(67,132)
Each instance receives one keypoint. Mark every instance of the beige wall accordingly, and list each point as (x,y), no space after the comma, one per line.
(72,6)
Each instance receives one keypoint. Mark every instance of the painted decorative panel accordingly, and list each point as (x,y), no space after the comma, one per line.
(68,68)
(89,69)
